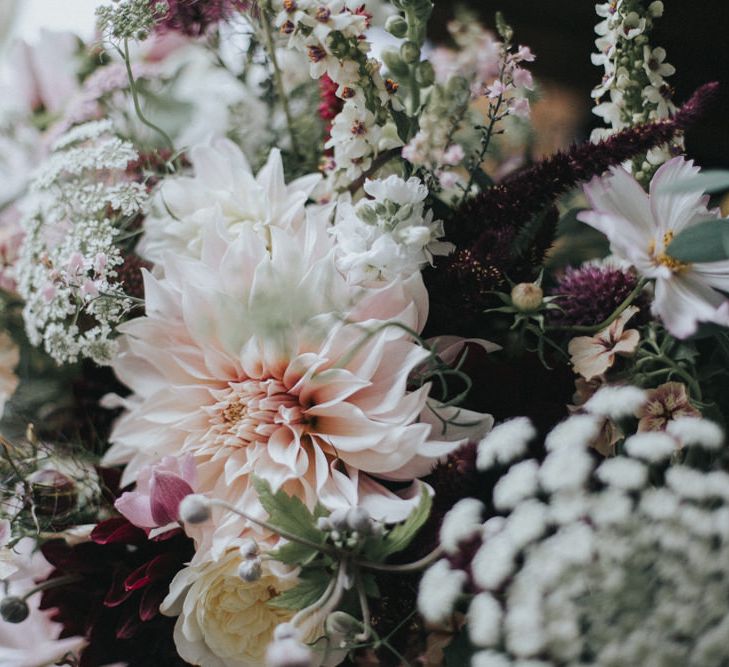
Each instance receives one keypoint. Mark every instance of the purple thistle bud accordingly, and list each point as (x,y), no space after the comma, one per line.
(591,293)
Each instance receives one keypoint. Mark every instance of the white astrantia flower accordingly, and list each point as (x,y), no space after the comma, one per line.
(505,442)
(461,523)
(640,226)
(222,188)
(648,552)
(439,589)
(258,358)
(79,201)
(389,236)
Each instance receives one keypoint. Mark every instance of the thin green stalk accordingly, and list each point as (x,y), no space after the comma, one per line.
(135,98)
(278,79)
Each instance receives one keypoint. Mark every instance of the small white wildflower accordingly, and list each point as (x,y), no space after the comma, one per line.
(505,442)
(622,473)
(574,432)
(526,523)
(494,562)
(564,469)
(616,402)
(610,507)
(439,589)
(520,482)
(696,431)
(484,620)
(686,482)
(652,446)
(462,522)
(659,504)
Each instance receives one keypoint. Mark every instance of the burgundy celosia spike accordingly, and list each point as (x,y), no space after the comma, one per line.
(194,17)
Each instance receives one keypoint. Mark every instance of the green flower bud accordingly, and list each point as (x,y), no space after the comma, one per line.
(397,26)
(337,44)
(424,74)
(527,297)
(394,63)
(410,52)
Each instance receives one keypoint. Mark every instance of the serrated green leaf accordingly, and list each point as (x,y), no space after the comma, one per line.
(400,536)
(705,241)
(716,180)
(310,588)
(287,512)
(294,553)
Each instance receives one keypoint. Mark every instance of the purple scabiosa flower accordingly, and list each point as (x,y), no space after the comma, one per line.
(591,293)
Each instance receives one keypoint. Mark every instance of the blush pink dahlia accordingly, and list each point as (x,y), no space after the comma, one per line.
(259,359)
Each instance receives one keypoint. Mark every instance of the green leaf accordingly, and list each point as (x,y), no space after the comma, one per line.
(405,125)
(287,512)
(310,588)
(294,553)
(460,651)
(706,241)
(400,536)
(569,223)
(707,181)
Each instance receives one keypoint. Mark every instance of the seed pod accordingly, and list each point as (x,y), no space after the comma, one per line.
(13,609)
(54,494)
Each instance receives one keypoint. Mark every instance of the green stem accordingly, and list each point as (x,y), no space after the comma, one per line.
(52,583)
(415,566)
(278,79)
(135,98)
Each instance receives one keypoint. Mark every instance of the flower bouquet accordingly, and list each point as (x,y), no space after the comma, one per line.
(308,359)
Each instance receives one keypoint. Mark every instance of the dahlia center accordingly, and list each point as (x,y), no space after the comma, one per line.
(252,410)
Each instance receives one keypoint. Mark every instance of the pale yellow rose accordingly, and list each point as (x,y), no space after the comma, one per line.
(223,620)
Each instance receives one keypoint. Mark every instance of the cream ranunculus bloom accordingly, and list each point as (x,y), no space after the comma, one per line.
(225,621)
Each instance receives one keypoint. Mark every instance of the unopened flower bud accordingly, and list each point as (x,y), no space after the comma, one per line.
(249,548)
(194,508)
(342,624)
(14,609)
(394,63)
(410,52)
(288,653)
(285,631)
(323,524)
(425,74)
(338,519)
(250,569)
(54,494)
(527,296)
(337,43)
(397,26)
(655,9)
(359,520)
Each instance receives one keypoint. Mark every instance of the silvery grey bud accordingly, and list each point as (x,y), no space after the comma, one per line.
(288,653)
(338,519)
(249,548)
(195,508)
(397,26)
(250,569)
(14,609)
(359,520)
(410,52)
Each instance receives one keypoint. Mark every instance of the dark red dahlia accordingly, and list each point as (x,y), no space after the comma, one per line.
(121,579)
(194,17)
(591,293)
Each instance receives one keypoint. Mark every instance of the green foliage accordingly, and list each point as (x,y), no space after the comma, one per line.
(707,241)
(311,586)
(399,537)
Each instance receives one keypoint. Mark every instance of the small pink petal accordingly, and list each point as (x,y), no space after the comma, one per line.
(167,492)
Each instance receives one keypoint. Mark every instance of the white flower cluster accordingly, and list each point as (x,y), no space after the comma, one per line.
(67,268)
(621,563)
(634,76)
(333,37)
(389,236)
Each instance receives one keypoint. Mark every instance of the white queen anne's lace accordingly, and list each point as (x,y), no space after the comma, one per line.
(67,273)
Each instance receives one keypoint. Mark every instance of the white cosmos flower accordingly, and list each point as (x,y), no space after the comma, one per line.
(267,362)
(641,225)
(223,187)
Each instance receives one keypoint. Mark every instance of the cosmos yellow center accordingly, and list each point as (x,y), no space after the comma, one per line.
(663,258)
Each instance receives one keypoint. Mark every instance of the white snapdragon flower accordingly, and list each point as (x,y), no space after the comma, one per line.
(640,226)
(388,236)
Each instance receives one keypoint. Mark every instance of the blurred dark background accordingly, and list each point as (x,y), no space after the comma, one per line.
(695,33)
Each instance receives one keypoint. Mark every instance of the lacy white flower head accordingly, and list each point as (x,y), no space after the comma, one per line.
(602,567)
(641,225)
(259,358)
(389,236)
(222,188)
(67,266)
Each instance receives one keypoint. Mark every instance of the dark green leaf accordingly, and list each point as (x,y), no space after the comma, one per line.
(460,651)
(310,588)
(400,536)
(705,241)
(569,223)
(294,553)
(404,124)
(707,181)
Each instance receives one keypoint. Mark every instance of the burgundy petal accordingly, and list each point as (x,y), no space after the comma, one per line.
(167,490)
(117,529)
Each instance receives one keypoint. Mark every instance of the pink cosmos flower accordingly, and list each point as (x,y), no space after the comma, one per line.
(641,225)
(259,359)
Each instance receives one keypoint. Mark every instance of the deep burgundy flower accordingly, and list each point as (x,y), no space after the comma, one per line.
(591,293)
(194,17)
(329,106)
(122,577)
